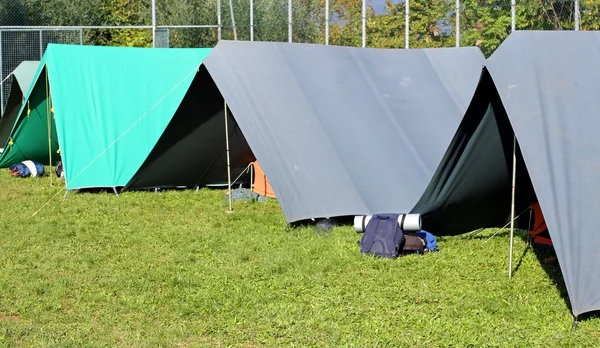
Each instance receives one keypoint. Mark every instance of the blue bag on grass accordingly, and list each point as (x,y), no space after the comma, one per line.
(429,239)
(26,169)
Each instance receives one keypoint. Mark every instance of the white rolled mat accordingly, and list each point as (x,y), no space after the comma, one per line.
(31,166)
(407,222)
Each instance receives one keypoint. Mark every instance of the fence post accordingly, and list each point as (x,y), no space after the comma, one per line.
(1,79)
(457,23)
(41,45)
(577,15)
(232,20)
(327,22)
(513,15)
(289,20)
(364,23)
(251,20)
(407,23)
(153,23)
(80,36)
(218,20)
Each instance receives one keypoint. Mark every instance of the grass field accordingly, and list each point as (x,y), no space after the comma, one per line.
(169,269)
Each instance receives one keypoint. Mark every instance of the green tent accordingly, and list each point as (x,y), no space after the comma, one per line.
(104,108)
(21,81)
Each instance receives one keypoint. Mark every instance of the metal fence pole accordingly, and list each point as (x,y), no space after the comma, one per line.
(81,36)
(327,22)
(232,19)
(457,23)
(289,20)
(364,23)
(513,15)
(41,45)
(153,23)
(218,20)
(1,78)
(251,20)
(577,15)
(407,23)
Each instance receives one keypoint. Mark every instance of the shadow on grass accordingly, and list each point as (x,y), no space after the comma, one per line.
(546,257)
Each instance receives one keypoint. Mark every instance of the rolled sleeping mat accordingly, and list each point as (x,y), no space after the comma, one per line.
(36,169)
(407,222)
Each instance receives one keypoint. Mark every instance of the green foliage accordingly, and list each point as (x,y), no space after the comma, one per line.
(122,12)
(590,14)
(485,23)
(172,268)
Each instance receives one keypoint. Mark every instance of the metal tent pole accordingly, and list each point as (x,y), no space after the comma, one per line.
(513,16)
(251,178)
(48,117)
(228,159)
(512,207)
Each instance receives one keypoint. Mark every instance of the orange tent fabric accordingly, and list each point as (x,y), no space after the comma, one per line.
(539,226)
(261,185)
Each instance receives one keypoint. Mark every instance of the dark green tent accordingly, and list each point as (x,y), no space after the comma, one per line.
(21,80)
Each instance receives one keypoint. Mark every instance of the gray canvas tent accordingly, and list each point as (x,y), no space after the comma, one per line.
(21,80)
(341,131)
(544,86)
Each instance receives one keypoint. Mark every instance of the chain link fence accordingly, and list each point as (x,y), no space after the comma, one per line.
(18,45)
(27,26)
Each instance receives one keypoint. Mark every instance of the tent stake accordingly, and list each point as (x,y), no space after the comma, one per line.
(512,207)
(116,193)
(228,161)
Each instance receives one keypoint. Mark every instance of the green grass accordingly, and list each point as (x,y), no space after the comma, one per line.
(173,268)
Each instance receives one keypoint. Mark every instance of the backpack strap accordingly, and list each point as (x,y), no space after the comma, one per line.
(369,238)
(391,234)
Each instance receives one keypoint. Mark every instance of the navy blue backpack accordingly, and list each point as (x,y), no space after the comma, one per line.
(383,236)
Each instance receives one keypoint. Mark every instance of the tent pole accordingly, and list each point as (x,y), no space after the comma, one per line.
(49,127)
(251,178)
(512,207)
(228,161)
(529,225)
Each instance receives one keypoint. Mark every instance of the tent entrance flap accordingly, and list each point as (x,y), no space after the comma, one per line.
(471,188)
(191,151)
(28,139)
(260,184)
